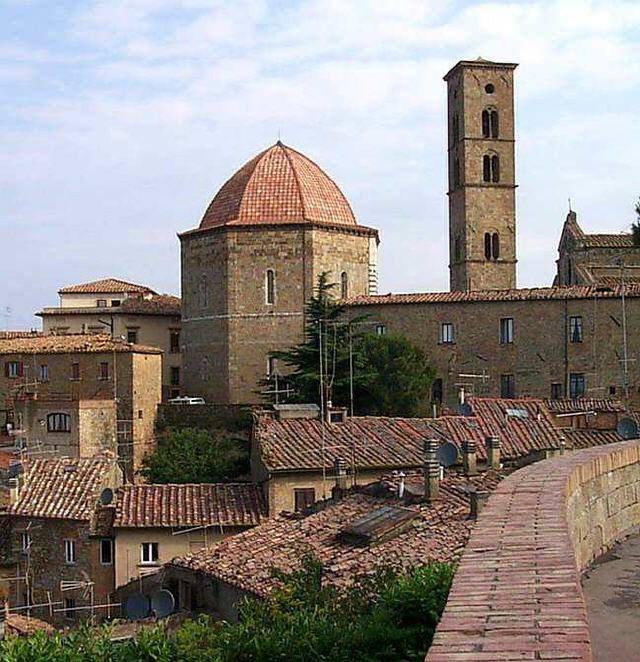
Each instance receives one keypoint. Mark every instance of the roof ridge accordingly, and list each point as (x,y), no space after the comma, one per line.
(284,148)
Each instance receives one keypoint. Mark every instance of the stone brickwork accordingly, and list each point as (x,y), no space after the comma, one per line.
(477,90)
(541,354)
(517,593)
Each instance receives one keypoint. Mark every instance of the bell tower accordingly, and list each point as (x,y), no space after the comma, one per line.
(481,151)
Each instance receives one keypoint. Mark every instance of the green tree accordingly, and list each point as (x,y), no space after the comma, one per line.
(197,456)
(635,225)
(396,377)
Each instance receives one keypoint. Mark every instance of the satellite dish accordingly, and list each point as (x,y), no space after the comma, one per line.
(162,603)
(465,409)
(627,428)
(447,454)
(137,606)
(106,497)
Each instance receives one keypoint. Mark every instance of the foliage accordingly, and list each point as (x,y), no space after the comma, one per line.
(388,616)
(391,376)
(197,456)
(397,377)
(635,225)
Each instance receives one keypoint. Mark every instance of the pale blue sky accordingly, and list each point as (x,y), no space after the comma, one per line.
(120,119)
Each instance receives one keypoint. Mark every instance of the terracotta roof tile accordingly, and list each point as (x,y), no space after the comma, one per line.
(223,504)
(106,286)
(569,405)
(24,625)
(63,488)
(71,344)
(520,294)
(10,335)
(158,304)
(587,438)
(621,240)
(281,186)
(439,532)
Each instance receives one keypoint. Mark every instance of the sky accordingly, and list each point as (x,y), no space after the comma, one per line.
(120,119)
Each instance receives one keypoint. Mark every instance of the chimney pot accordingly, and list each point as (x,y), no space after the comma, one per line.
(340,474)
(469,458)
(431,470)
(493,452)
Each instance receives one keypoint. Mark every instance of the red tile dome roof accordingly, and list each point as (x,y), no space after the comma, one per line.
(279,186)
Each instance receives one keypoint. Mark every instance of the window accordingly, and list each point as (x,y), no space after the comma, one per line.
(491,168)
(447,333)
(103,372)
(101,303)
(69,608)
(576,385)
(115,303)
(495,127)
(140,413)
(271,366)
(612,390)
(507,386)
(485,124)
(75,371)
(489,88)
(487,246)
(381,329)
(304,497)
(174,375)
(486,168)
(69,551)
(149,552)
(174,342)
(344,285)
(495,246)
(575,329)
(132,336)
(44,373)
(495,168)
(26,541)
(13,369)
(270,286)
(58,423)
(556,390)
(506,330)
(106,551)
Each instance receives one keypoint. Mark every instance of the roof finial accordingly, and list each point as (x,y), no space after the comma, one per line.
(570,210)
(279,141)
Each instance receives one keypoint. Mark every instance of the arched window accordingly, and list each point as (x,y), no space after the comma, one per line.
(456,172)
(270,286)
(58,423)
(495,246)
(344,285)
(494,124)
(495,168)
(486,168)
(485,124)
(487,246)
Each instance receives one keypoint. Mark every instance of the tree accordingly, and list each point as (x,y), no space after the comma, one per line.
(635,225)
(197,456)
(396,377)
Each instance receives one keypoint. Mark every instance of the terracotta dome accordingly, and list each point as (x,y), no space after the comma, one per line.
(279,186)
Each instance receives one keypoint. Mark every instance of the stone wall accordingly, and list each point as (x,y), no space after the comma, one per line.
(517,592)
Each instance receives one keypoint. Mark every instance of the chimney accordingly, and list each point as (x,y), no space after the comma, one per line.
(14,490)
(469,457)
(493,452)
(563,445)
(340,473)
(431,470)
(478,500)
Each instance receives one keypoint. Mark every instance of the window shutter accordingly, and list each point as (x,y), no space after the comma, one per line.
(20,368)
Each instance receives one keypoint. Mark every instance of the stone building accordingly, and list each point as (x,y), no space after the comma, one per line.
(77,395)
(124,310)
(253,263)
(481,156)
(596,259)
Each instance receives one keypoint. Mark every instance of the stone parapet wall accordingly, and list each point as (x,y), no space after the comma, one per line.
(517,593)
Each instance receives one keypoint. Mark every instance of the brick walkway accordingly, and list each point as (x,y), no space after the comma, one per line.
(517,593)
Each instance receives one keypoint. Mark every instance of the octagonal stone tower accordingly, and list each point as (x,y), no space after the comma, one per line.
(253,263)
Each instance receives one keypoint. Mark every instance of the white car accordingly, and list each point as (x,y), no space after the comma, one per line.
(185,400)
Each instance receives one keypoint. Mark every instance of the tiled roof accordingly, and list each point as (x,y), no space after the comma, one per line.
(520,294)
(223,504)
(106,286)
(10,335)
(278,186)
(71,344)
(586,438)
(623,240)
(158,304)
(63,488)
(378,442)
(23,625)
(438,533)
(569,405)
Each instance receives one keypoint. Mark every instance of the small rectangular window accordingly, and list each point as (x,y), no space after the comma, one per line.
(115,303)
(132,336)
(69,608)
(101,303)
(75,371)
(303,498)
(381,329)
(577,385)
(175,375)
(106,551)
(507,386)
(44,373)
(506,330)
(149,552)
(58,422)
(556,391)
(271,365)
(612,390)
(13,369)
(447,333)
(575,329)
(174,342)
(103,373)
(270,286)
(69,552)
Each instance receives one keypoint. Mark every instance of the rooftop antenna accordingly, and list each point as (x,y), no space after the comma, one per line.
(570,210)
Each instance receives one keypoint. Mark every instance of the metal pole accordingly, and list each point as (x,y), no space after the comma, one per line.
(625,349)
(350,370)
